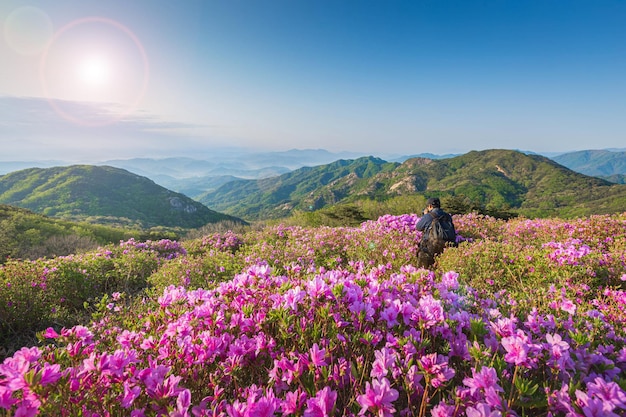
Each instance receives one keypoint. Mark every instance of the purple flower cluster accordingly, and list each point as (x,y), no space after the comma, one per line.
(404,223)
(337,322)
(228,241)
(567,253)
(332,342)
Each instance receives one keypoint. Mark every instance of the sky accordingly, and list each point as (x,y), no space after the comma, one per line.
(89,80)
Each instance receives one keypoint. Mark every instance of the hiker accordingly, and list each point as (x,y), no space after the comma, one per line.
(434,238)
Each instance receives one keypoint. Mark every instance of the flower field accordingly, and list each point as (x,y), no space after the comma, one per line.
(524,318)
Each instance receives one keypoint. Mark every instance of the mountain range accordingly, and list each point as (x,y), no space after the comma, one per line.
(195,177)
(503,180)
(610,165)
(530,185)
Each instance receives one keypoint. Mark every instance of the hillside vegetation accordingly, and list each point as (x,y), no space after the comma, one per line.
(498,181)
(101,194)
(526,317)
(28,235)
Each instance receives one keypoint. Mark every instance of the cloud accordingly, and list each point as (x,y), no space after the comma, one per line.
(31,129)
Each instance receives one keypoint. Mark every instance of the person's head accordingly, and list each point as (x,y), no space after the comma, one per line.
(433,202)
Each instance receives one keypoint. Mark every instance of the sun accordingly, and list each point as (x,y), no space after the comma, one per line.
(94,71)
(94,60)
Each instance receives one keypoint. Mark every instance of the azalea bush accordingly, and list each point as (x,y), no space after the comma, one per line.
(49,292)
(524,318)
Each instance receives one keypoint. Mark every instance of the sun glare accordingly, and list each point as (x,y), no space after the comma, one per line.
(94,60)
(94,71)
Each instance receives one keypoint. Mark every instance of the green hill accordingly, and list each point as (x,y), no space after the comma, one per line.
(504,180)
(304,188)
(102,194)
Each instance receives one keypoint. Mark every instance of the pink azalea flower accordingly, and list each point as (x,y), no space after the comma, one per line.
(568,306)
(6,398)
(293,402)
(318,356)
(262,407)
(516,348)
(130,394)
(378,398)
(50,333)
(383,362)
(594,407)
(390,315)
(437,367)
(482,410)
(430,311)
(483,379)
(317,287)
(322,404)
(442,410)
(50,374)
(608,392)
(26,410)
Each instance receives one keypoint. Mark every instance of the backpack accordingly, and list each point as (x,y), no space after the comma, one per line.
(441,233)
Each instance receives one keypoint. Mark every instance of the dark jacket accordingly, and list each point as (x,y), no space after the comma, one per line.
(427,219)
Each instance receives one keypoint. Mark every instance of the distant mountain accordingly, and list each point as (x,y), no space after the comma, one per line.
(102,194)
(235,162)
(530,185)
(306,188)
(598,163)
(10,166)
(422,155)
(194,187)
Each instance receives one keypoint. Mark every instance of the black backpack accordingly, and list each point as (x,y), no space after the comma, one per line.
(441,233)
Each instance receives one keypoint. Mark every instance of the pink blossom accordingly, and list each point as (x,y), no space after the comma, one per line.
(26,410)
(517,350)
(384,360)
(390,315)
(183,401)
(265,406)
(482,410)
(568,306)
(436,366)
(6,398)
(430,311)
(608,392)
(442,410)
(130,394)
(322,405)
(318,356)
(50,333)
(293,402)
(378,398)
(50,374)
(483,379)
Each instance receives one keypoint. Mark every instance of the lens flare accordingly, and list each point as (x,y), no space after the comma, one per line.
(94,60)
(27,30)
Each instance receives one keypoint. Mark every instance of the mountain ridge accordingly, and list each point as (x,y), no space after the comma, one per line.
(531,185)
(103,194)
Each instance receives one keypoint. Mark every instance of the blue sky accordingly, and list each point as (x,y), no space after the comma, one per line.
(89,80)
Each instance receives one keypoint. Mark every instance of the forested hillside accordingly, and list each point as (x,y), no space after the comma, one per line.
(501,181)
(106,195)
